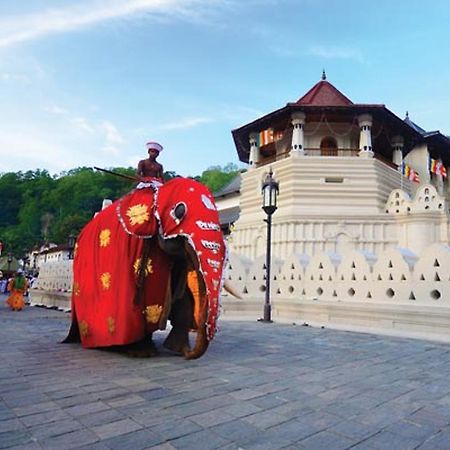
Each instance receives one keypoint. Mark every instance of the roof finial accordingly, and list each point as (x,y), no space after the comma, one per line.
(324,76)
(407,115)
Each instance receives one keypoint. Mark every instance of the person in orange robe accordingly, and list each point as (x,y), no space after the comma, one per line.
(17,288)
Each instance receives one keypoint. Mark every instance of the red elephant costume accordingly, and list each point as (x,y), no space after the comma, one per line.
(118,300)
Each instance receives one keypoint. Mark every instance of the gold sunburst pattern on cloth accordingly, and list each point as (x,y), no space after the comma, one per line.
(105,237)
(105,279)
(138,214)
(148,268)
(152,313)
(76,289)
(111,324)
(84,328)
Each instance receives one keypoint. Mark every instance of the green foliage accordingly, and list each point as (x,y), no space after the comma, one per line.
(37,207)
(216,177)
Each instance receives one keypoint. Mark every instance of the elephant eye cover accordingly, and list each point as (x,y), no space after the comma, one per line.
(178,212)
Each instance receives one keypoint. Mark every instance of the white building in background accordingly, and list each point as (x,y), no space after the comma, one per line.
(338,165)
(355,243)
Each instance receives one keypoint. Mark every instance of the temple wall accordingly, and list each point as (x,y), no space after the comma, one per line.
(53,286)
(351,275)
(331,204)
(396,291)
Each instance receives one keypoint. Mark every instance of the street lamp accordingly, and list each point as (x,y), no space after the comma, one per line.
(71,244)
(10,258)
(270,190)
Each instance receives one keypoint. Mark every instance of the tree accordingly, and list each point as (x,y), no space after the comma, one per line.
(216,177)
(38,207)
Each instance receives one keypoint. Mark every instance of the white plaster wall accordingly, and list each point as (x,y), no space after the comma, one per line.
(320,276)
(354,276)
(394,277)
(417,158)
(290,281)
(315,215)
(55,276)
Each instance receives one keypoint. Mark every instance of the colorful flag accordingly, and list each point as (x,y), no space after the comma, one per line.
(437,167)
(266,137)
(411,174)
(278,135)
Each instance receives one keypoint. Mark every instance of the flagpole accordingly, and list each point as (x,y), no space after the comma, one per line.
(401,174)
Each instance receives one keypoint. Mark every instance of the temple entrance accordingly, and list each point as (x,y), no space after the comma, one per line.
(328,147)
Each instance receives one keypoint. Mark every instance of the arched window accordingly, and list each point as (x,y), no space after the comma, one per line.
(328,147)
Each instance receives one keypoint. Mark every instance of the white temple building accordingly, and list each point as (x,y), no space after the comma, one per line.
(351,231)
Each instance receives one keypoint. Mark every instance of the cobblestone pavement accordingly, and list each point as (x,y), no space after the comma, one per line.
(260,386)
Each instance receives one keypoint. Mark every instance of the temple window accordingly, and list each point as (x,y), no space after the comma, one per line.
(328,146)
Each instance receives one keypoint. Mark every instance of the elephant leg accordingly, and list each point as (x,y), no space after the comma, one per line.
(181,318)
(74,332)
(145,348)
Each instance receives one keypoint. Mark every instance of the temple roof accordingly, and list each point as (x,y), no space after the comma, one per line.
(324,103)
(324,93)
(413,125)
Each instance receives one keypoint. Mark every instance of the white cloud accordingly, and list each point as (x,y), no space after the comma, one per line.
(33,26)
(183,124)
(6,76)
(27,148)
(57,110)
(333,52)
(82,124)
(112,134)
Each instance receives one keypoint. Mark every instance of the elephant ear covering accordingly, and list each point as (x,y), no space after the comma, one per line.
(120,278)
(186,208)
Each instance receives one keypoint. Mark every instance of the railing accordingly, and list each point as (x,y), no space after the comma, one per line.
(340,152)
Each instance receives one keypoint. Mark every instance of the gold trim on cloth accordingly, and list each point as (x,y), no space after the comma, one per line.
(84,328)
(152,313)
(138,214)
(76,289)
(105,279)
(105,237)
(137,265)
(75,249)
(111,324)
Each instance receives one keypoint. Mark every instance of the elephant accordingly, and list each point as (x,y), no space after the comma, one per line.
(155,255)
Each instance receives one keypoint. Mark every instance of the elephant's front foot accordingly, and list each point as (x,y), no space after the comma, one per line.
(178,341)
(142,349)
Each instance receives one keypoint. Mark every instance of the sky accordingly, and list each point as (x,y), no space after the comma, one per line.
(87,83)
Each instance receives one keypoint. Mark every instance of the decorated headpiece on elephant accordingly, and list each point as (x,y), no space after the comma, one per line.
(154,255)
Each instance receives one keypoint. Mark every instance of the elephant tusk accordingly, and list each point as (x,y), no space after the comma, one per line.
(231,289)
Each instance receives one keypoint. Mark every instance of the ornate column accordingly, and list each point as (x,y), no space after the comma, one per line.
(297,146)
(254,151)
(365,136)
(397,150)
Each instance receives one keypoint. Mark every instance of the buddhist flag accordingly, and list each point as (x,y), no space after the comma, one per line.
(411,174)
(266,137)
(278,135)
(437,167)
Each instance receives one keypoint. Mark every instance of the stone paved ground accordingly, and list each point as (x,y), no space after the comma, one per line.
(260,386)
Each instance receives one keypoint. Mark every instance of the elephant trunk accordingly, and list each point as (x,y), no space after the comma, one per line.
(201,342)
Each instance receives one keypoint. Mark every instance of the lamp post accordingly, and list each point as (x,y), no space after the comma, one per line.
(10,258)
(270,190)
(71,244)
